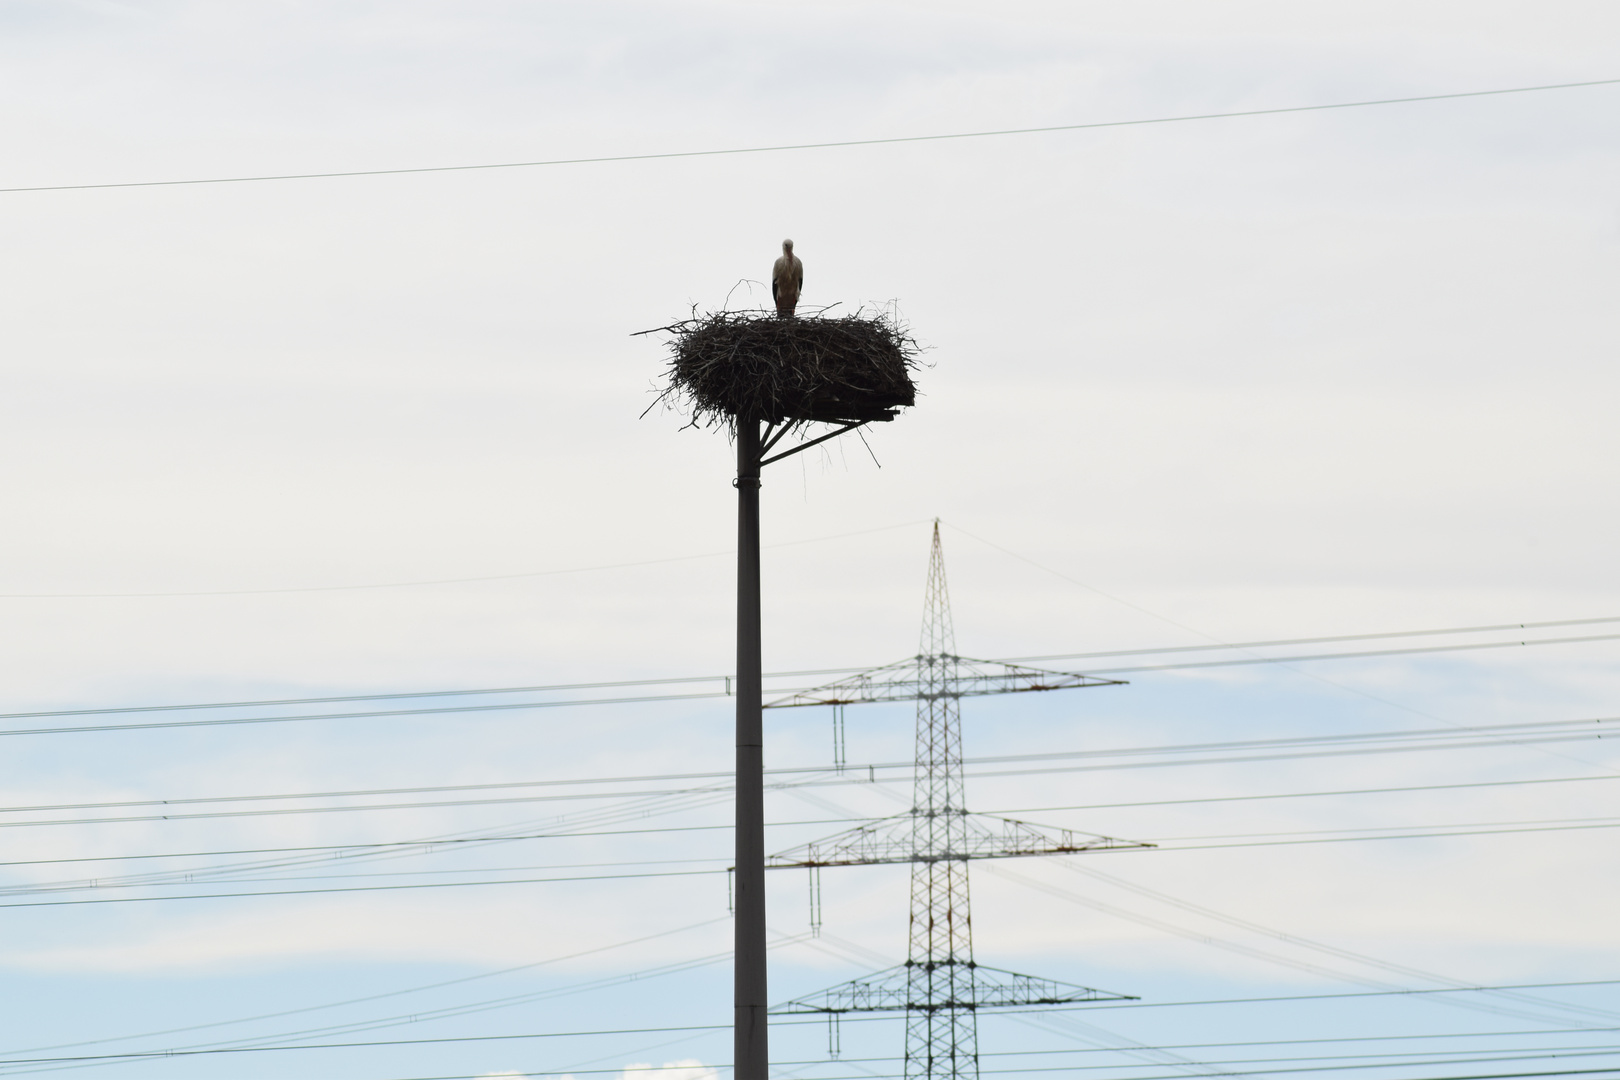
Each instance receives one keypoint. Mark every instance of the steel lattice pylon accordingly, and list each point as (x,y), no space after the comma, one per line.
(940,1043)
(940,987)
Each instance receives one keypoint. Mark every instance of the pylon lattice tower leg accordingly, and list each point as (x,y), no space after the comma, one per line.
(941,1027)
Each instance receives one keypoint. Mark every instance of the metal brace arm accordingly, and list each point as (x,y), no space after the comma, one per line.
(807,445)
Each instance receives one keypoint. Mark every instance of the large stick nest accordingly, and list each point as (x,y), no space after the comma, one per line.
(731,365)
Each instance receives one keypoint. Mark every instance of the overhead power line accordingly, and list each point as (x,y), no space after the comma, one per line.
(836,781)
(1475,737)
(1446,734)
(364,888)
(402,845)
(442,1013)
(1483,737)
(1342,995)
(396,993)
(1239,840)
(679,680)
(1411,1057)
(784,147)
(1361,655)
(867,1074)
(1284,642)
(453,1011)
(373,714)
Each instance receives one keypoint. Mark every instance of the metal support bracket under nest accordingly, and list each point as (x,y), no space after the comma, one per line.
(773,437)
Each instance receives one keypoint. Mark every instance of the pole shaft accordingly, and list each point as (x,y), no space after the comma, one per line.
(751,1058)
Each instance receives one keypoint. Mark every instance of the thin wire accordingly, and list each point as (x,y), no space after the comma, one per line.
(371,714)
(689,679)
(1359,1039)
(1481,1056)
(509,706)
(1256,953)
(1338,1068)
(867,1075)
(1406,836)
(874,1018)
(1161,845)
(387,994)
(1284,660)
(448,1012)
(854,780)
(1295,939)
(819,145)
(134,1055)
(1447,734)
(396,844)
(1310,640)
(266,871)
(1343,994)
(1375,830)
(364,888)
(846,781)
(1355,655)
(1278,795)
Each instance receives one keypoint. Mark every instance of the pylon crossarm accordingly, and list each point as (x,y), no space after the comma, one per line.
(975,987)
(917,678)
(894,840)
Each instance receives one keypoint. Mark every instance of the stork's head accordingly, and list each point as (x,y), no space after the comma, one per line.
(787,247)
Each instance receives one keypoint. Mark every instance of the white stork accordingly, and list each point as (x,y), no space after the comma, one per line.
(787,279)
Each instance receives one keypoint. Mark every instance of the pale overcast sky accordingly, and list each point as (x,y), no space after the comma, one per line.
(1266,377)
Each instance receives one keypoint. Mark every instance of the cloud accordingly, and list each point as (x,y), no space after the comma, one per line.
(685,1069)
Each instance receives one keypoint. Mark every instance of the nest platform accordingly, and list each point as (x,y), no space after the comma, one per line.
(733,365)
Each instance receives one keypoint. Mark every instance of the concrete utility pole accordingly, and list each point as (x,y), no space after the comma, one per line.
(751,1044)
(751,1052)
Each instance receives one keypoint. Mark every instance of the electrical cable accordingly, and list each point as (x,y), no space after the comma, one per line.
(1046,129)
(1250,951)
(1363,655)
(1383,829)
(1281,642)
(374,714)
(995,759)
(844,781)
(1574,1050)
(362,888)
(690,679)
(1443,738)
(1161,845)
(1406,836)
(687,965)
(387,994)
(1295,939)
(1344,1068)
(867,1075)
(1367,1038)
(1292,795)
(465,1009)
(1004,811)
(1344,995)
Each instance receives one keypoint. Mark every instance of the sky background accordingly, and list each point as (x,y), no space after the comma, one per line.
(1254,378)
